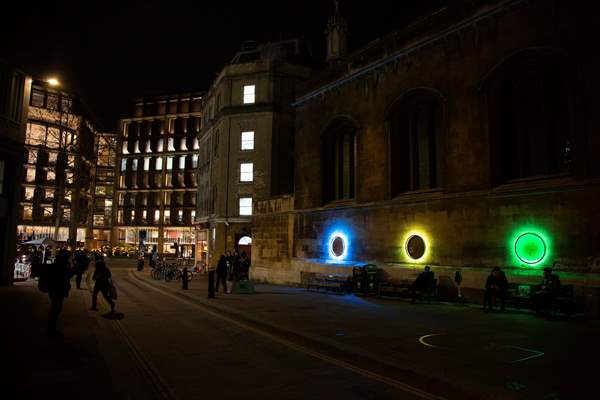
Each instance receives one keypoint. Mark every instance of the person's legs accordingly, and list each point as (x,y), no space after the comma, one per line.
(55,308)
(95,296)
(78,277)
(108,299)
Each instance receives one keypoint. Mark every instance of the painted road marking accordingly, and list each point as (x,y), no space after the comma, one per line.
(331,360)
(423,342)
(536,353)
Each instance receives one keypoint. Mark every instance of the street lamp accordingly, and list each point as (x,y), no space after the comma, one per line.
(53,81)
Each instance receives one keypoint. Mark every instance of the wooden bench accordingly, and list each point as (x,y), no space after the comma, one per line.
(521,296)
(402,288)
(340,284)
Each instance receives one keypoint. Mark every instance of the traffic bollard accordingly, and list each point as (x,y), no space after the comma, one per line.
(211,284)
(184,279)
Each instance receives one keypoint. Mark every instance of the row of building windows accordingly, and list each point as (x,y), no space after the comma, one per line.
(157,165)
(147,146)
(155,127)
(154,216)
(170,106)
(187,198)
(151,180)
(46,176)
(31,212)
(48,135)
(51,101)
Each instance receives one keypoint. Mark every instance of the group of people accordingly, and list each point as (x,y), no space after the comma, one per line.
(497,286)
(56,278)
(231,267)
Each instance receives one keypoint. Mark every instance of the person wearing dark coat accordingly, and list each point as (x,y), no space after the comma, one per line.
(423,283)
(103,277)
(59,276)
(222,274)
(548,290)
(81,262)
(495,286)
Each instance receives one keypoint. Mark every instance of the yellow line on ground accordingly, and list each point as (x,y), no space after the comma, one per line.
(331,360)
(423,342)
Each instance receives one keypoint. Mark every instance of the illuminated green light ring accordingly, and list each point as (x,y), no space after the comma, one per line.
(522,257)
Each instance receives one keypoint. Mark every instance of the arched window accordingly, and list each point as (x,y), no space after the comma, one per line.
(530,116)
(415,123)
(339,161)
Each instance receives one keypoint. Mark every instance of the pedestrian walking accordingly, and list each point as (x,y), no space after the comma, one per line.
(103,284)
(221,274)
(59,275)
(81,262)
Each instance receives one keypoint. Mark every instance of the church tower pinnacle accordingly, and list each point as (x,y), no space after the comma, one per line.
(336,33)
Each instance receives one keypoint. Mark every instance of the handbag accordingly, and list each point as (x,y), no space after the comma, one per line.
(112,290)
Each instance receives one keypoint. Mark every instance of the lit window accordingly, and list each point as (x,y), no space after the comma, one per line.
(123,164)
(247,140)
(182,162)
(136,146)
(134,164)
(29,193)
(246,172)
(68,177)
(245,205)
(167,214)
(160,145)
(180,216)
(148,146)
(196,144)
(132,215)
(27,212)
(146,163)
(125,129)
(249,92)
(37,98)
(183,144)
(159,164)
(157,216)
(195,161)
(193,214)
(125,151)
(144,215)
(49,194)
(170,146)
(170,163)
(48,211)
(120,217)
(32,157)
(171,125)
(30,175)
(52,156)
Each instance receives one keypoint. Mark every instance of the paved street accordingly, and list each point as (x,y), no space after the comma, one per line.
(288,343)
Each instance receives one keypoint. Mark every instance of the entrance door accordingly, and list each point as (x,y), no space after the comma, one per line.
(245,245)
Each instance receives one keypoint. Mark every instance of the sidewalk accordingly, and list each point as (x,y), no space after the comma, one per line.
(486,353)
(35,366)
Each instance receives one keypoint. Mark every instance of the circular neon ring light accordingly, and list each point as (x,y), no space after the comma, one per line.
(407,249)
(530,248)
(344,240)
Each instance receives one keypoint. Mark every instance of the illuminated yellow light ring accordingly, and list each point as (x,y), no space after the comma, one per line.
(426,240)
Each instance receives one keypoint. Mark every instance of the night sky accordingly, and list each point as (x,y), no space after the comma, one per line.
(112,51)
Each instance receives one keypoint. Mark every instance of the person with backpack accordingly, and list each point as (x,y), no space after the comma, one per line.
(103,285)
(56,281)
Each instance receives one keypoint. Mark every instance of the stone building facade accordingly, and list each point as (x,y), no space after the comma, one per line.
(104,184)
(467,140)
(58,168)
(15,89)
(157,158)
(246,141)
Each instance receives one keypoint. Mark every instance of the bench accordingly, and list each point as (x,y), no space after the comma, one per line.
(521,295)
(402,288)
(340,284)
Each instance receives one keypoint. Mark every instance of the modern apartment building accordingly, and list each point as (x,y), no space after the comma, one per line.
(157,160)
(246,143)
(15,89)
(57,182)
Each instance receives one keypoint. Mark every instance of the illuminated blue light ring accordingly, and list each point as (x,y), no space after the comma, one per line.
(345,241)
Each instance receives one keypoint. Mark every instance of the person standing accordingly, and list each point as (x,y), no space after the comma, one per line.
(221,274)
(495,286)
(103,279)
(59,275)
(424,283)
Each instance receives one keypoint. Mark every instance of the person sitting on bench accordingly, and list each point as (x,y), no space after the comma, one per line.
(423,283)
(547,292)
(495,286)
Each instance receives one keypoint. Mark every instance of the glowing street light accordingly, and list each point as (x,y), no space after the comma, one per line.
(53,81)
